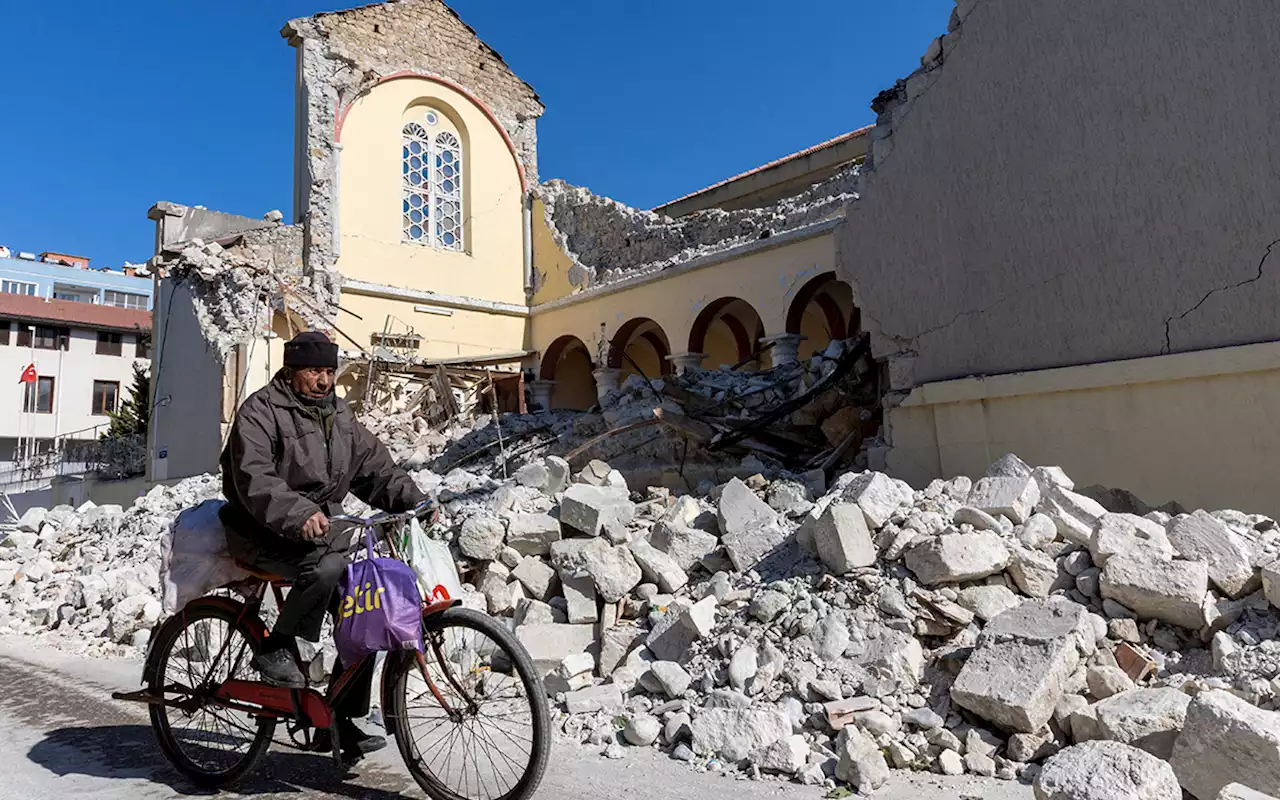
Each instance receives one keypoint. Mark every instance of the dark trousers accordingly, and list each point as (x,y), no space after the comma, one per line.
(315,568)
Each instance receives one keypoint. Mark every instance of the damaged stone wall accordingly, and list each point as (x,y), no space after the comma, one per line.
(346,53)
(1068,184)
(234,288)
(608,241)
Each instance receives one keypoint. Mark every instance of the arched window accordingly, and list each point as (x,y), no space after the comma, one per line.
(431,168)
(415,168)
(448,191)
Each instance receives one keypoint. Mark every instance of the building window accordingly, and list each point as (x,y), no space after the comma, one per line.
(39,396)
(448,191)
(431,173)
(72,295)
(110,344)
(105,394)
(4,331)
(46,337)
(18,287)
(124,299)
(142,347)
(397,342)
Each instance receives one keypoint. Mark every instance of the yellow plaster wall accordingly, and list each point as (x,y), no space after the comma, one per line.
(369,208)
(643,354)
(462,333)
(766,279)
(1199,428)
(550,263)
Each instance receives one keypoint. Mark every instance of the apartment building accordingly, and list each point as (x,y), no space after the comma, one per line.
(61,276)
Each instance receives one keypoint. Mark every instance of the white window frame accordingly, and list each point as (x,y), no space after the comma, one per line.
(7,286)
(431,202)
(142,299)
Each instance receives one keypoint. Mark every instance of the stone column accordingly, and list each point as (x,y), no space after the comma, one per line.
(785,348)
(686,361)
(541,390)
(607,379)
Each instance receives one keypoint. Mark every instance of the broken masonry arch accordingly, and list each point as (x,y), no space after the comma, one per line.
(640,346)
(823,310)
(728,331)
(568,362)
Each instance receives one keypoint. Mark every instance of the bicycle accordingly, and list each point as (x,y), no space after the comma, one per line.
(216,723)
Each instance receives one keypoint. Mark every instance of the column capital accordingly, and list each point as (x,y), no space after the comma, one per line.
(785,347)
(686,361)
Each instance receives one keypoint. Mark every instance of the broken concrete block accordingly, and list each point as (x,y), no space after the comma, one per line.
(598,473)
(1016,684)
(606,697)
(1038,530)
(612,568)
(1201,536)
(686,545)
(537,578)
(1225,740)
(1149,719)
(670,678)
(1040,621)
(982,521)
(749,528)
(579,597)
(532,534)
(1238,791)
(482,537)
(658,567)
(1119,534)
(1172,591)
(548,645)
(956,557)
(1036,574)
(589,509)
(1075,515)
(988,602)
(1052,477)
(768,604)
(642,730)
(1106,771)
(680,627)
(786,756)
(842,540)
(860,764)
(1013,497)
(894,654)
(616,643)
(1008,466)
(733,733)
(1105,681)
(572,674)
(878,495)
(533,612)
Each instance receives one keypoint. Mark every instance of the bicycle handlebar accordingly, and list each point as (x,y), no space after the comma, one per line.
(384,518)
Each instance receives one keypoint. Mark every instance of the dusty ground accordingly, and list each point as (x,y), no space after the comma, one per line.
(64,737)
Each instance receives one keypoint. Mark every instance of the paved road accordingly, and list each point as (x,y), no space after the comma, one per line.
(63,737)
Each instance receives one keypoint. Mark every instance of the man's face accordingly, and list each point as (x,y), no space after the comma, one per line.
(313,382)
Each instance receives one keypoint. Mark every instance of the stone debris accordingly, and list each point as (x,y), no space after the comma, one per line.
(1106,771)
(821,631)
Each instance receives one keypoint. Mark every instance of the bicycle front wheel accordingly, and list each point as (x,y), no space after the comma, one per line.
(470,717)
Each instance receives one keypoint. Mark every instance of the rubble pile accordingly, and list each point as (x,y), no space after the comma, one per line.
(1009,627)
(91,575)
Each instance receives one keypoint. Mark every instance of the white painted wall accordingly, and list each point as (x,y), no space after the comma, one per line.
(74,370)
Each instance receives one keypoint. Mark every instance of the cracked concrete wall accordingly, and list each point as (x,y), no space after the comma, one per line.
(343,54)
(1071,183)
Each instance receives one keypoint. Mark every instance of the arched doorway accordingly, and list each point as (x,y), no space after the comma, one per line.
(568,363)
(640,346)
(728,330)
(823,310)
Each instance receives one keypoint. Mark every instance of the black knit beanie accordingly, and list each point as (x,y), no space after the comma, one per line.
(310,349)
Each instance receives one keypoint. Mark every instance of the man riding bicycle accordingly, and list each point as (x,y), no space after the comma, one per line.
(294,453)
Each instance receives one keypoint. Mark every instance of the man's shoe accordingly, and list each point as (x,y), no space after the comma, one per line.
(278,668)
(356,744)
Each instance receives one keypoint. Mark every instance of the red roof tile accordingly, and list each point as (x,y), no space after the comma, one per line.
(73,314)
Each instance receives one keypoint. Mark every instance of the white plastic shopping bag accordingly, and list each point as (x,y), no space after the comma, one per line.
(437,574)
(194,558)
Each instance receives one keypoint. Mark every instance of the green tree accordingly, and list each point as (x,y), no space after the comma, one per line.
(134,414)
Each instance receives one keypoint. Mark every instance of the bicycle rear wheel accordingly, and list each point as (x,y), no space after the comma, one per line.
(491,739)
(194,652)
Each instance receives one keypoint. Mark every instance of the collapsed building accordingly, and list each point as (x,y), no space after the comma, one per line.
(1070,296)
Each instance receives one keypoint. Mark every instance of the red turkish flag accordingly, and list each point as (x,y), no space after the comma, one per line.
(28,374)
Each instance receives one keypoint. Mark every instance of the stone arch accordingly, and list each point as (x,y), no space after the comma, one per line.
(727,330)
(640,342)
(568,362)
(822,311)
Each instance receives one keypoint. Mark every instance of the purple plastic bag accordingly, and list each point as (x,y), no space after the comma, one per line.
(380,607)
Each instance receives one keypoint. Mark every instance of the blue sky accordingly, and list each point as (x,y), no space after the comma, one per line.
(111,106)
